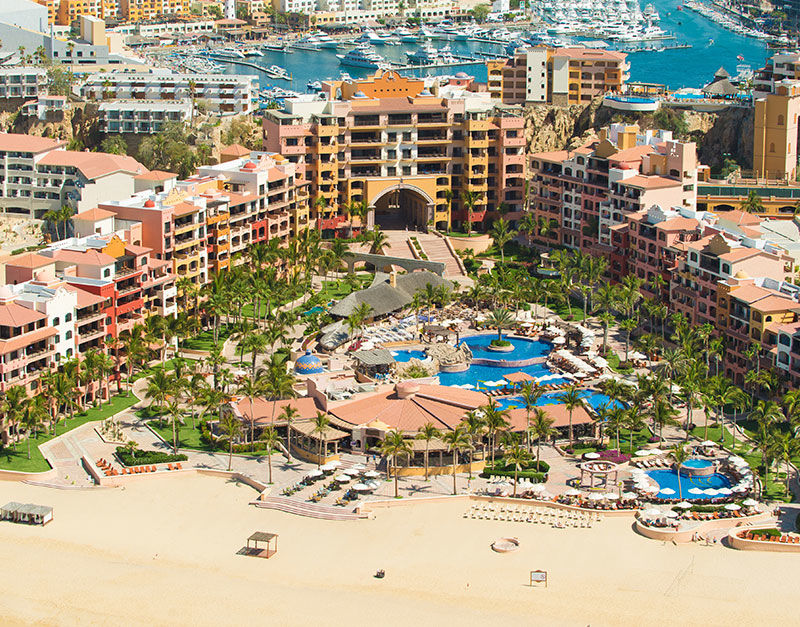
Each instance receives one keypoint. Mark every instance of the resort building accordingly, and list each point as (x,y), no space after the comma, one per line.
(152,10)
(407,150)
(559,76)
(779,67)
(226,94)
(37,175)
(22,82)
(775,132)
(46,108)
(142,117)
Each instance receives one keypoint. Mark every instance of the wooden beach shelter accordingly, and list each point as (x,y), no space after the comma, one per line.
(265,538)
(516,378)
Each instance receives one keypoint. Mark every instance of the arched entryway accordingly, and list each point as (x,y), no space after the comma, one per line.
(401,206)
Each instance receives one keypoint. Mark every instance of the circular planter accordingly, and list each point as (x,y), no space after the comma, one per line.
(501,349)
(505,545)
(462,367)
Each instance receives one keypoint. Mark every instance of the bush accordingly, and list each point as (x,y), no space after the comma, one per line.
(502,343)
(500,467)
(147,457)
(797,523)
(766,533)
(613,455)
(538,477)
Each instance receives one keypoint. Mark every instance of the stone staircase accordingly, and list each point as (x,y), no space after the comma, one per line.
(302,508)
(435,248)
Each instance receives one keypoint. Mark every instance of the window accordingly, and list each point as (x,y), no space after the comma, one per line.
(68,335)
(781,120)
(106,273)
(56,322)
(68,317)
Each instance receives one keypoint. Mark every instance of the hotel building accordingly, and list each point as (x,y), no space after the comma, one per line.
(402,147)
(141,117)
(226,94)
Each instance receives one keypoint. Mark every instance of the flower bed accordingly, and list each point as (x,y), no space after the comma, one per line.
(613,455)
(147,457)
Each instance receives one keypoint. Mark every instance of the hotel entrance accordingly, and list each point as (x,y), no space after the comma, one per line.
(402,206)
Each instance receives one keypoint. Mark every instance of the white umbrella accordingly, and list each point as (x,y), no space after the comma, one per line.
(684,505)
(668,491)
(652,512)
(739,488)
(708,443)
(652,489)
(611,496)
(711,491)
(594,496)
(725,491)
(342,478)
(361,487)
(538,487)
(592,456)
(572,492)
(642,453)
(351,471)
(371,474)
(327,467)
(695,491)
(558,340)
(628,495)
(749,502)
(335,464)
(359,467)
(736,459)
(670,514)
(733,507)
(315,473)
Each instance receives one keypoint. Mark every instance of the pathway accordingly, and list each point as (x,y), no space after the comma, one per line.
(435,248)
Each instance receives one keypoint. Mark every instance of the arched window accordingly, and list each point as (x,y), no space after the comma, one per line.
(772,147)
(780,120)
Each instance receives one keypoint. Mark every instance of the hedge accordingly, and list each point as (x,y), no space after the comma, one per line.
(769,533)
(538,477)
(498,465)
(148,457)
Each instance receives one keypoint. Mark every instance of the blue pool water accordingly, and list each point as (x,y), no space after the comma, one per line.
(314,310)
(407,355)
(669,479)
(523,348)
(697,463)
(595,399)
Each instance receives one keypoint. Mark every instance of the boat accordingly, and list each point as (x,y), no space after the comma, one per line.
(363,56)
(278,72)
(369,36)
(427,55)
(314,85)
(230,53)
(277,48)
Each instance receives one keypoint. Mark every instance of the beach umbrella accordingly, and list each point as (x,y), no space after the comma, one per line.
(684,505)
(315,473)
(545,495)
(538,487)
(372,474)
(733,507)
(359,467)
(642,453)
(335,464)
(611,496)
(342,478)
(361,487)
(327,467)
(725,491)
(749,502)
(708,443)
(736,459)
(652,489)
(739,488)
(628,495)
(711,491)
(592,456)
(668,491)
(652,512)
(670,514)
(572,492)
(695,491)
(594,496)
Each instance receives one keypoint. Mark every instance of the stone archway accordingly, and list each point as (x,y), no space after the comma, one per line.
(400,206)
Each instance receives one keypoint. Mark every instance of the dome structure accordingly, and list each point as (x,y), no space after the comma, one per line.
(149,203)
(425,93)
(249,166)
(462,75)
(359,94)
(308,364)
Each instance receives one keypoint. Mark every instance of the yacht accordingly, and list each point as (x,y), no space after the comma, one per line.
(427,55)
(230,53)
(278,72)
(363,56)
(369,36)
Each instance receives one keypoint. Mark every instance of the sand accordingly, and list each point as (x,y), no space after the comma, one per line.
(164,552)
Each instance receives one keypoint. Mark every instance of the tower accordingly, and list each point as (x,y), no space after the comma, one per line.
(775,132)
(230,9)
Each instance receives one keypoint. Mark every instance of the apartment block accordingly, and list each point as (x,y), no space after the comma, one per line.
(401,146)
(775,132)
(779,67)
(227,94)
(37,174)
(150,10)
(142,117)
(22,82)
(560,76)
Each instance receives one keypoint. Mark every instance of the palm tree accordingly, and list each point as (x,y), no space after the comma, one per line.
(288,413)
(518,457)
(541,428)
(530,394)
(321,425)
(427,433)
(474,425)
(470,199)
(392,446)
(174,415)
(680,454)
(571,399)
(634,421)
(160,388)
(456,440)
(251,388)
(663,414)
(499,319)
(785,447)
(271,441)
(496,420)
(752,204)
(767,413)
(33,417)
(628,325)
(231,426)
(501,233)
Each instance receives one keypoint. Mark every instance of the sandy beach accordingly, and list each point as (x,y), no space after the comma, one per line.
(164,552)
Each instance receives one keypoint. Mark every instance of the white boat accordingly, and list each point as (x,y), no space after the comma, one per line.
(231,53)
(427,55)
(363,56)
(279,72)
(369,36)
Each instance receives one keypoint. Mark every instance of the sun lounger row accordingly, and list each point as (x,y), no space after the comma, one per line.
(785,539)
(658,462)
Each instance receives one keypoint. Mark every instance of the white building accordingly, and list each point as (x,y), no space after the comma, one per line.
(226,94)
(142,117)
(22,82)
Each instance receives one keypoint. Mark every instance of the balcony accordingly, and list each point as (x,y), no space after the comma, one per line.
(90,317)
(91,334)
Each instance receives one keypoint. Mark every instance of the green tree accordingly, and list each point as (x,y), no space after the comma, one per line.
(501,233)
(114,145)
(271,441)
(518,457)
(231,427)
(427,433)
(393,446)
(571,399)
(321,427)
(457,441)
(680,454)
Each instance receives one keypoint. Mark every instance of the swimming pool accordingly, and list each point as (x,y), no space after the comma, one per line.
(523,348)
(669,479)
(595,399)
(696,463)
(314,310)
(477,375)
(404,356)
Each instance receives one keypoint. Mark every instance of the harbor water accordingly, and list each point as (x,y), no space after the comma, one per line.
(712,46)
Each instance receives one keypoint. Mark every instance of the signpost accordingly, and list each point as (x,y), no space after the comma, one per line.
(538,576)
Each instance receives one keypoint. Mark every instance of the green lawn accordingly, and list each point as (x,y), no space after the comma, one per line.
(613,363)
(774,490)
(204,341)
(17,460)
(640,440)
(187,437)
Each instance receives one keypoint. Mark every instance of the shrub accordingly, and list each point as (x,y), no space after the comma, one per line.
(758,534)
(501,467)
(613,455)
(538,477)
(502,343)
(147,457)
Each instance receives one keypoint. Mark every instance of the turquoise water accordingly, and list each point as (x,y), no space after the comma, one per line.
(523,348)
(314,310)
(595,399)
(407,355)
(691,67)
(697,463)
(669,479)
(476,374)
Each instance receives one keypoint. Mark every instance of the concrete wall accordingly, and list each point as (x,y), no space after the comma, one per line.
(744,544)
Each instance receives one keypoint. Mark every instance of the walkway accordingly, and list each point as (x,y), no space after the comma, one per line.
(434,246)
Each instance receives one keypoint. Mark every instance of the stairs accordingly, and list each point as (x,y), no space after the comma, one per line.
(301,508)
(435,248)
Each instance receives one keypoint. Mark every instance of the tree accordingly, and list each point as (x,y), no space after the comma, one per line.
(496,420)
(571,399)
(321,425)
(33,417)
(114,145)
(231,427)
(499,319)
(271,441)
(530,394)
(427,433)
(288,413)
(480,12)
(753,203)
(518,457)
(174,415)
(501,233)
(541,428)
(457,441)
(680,454)
(628,325)
(392,446)
(470,200)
